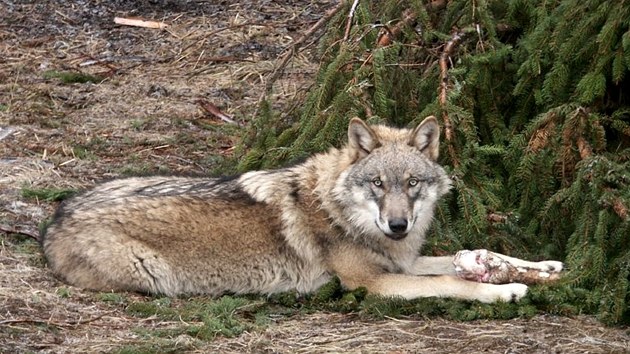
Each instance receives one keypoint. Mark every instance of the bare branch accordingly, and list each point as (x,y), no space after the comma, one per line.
(350,17)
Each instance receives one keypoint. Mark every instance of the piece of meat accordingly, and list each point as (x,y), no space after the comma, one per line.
(488,267)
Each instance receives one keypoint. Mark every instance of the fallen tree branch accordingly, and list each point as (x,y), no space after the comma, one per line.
(21,230)
(67,324)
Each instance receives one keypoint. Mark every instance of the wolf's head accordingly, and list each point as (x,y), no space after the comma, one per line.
(393,185)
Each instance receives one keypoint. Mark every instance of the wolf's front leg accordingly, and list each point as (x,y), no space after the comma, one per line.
(355,269)
(411,287)
(433,266)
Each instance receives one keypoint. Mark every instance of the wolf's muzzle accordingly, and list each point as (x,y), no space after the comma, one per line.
(398,227)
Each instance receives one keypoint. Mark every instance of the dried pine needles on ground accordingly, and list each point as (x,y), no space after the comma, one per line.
(346,333)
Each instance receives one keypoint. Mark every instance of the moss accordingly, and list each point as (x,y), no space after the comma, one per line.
(47,194)
(68,77)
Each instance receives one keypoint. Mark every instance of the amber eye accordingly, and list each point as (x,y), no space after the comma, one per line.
(377,182)
(413,182)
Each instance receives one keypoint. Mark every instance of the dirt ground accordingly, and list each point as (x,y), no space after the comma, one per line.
(139,113)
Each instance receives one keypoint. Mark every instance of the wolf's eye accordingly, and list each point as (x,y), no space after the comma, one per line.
(377,182)
(413,182)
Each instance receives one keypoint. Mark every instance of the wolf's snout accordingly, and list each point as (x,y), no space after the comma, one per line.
(398,227)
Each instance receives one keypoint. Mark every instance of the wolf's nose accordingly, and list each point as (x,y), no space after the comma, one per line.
(398,226)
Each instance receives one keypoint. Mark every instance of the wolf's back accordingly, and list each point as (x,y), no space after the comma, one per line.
(165,235)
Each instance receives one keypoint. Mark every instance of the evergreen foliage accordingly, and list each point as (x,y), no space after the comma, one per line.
(536,110)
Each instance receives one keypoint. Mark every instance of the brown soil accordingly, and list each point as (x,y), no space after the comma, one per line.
(141,115)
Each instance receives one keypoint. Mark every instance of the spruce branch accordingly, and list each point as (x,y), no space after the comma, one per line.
(586,151)
(409,16)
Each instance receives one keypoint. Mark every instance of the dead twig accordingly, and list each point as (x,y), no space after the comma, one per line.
(496,218)
(138,22)
(349,22)
(288,54)
(215,111)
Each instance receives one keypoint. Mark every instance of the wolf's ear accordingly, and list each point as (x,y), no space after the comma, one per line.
(426,137)
(361,137)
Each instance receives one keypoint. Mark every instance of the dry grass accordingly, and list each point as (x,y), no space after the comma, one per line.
(142,117)
(331,332)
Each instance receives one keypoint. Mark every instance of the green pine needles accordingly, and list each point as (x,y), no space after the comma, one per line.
(534,98)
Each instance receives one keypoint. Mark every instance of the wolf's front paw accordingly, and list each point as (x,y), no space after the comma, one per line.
(512,292)
(490,293)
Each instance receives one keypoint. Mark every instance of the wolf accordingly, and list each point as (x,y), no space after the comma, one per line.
(359,212)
